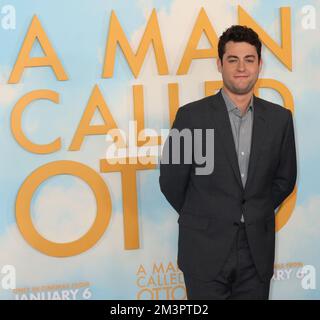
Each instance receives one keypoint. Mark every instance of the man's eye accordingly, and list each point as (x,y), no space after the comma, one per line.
(233,60)
(250,61)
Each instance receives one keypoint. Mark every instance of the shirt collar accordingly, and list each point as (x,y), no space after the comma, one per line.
(230,105)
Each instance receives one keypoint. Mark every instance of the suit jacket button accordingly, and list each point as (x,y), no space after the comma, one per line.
(236,223)
(243,201)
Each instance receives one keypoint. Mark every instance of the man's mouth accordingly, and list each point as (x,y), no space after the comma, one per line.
(241,77)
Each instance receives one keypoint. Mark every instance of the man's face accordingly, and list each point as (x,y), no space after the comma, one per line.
(240,68)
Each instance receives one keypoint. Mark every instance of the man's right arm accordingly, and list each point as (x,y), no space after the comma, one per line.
(174,177)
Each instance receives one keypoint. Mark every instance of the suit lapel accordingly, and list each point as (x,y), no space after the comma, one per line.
(222,124)
(259,132)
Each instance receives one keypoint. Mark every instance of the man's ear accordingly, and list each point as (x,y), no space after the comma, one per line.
(219,65)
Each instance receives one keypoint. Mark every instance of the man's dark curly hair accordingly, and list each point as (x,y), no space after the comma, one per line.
(238,33)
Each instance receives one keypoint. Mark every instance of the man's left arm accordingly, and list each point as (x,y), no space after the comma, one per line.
(286,174)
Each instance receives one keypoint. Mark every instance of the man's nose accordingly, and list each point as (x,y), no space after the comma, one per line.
(241,65)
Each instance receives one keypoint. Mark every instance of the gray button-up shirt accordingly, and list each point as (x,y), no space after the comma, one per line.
(241,126)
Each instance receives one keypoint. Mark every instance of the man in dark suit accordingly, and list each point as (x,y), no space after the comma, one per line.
(227,217)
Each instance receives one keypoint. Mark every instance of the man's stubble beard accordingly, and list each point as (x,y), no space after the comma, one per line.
(240,91)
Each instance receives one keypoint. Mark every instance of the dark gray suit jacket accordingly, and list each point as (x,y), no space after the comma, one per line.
(210,206)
